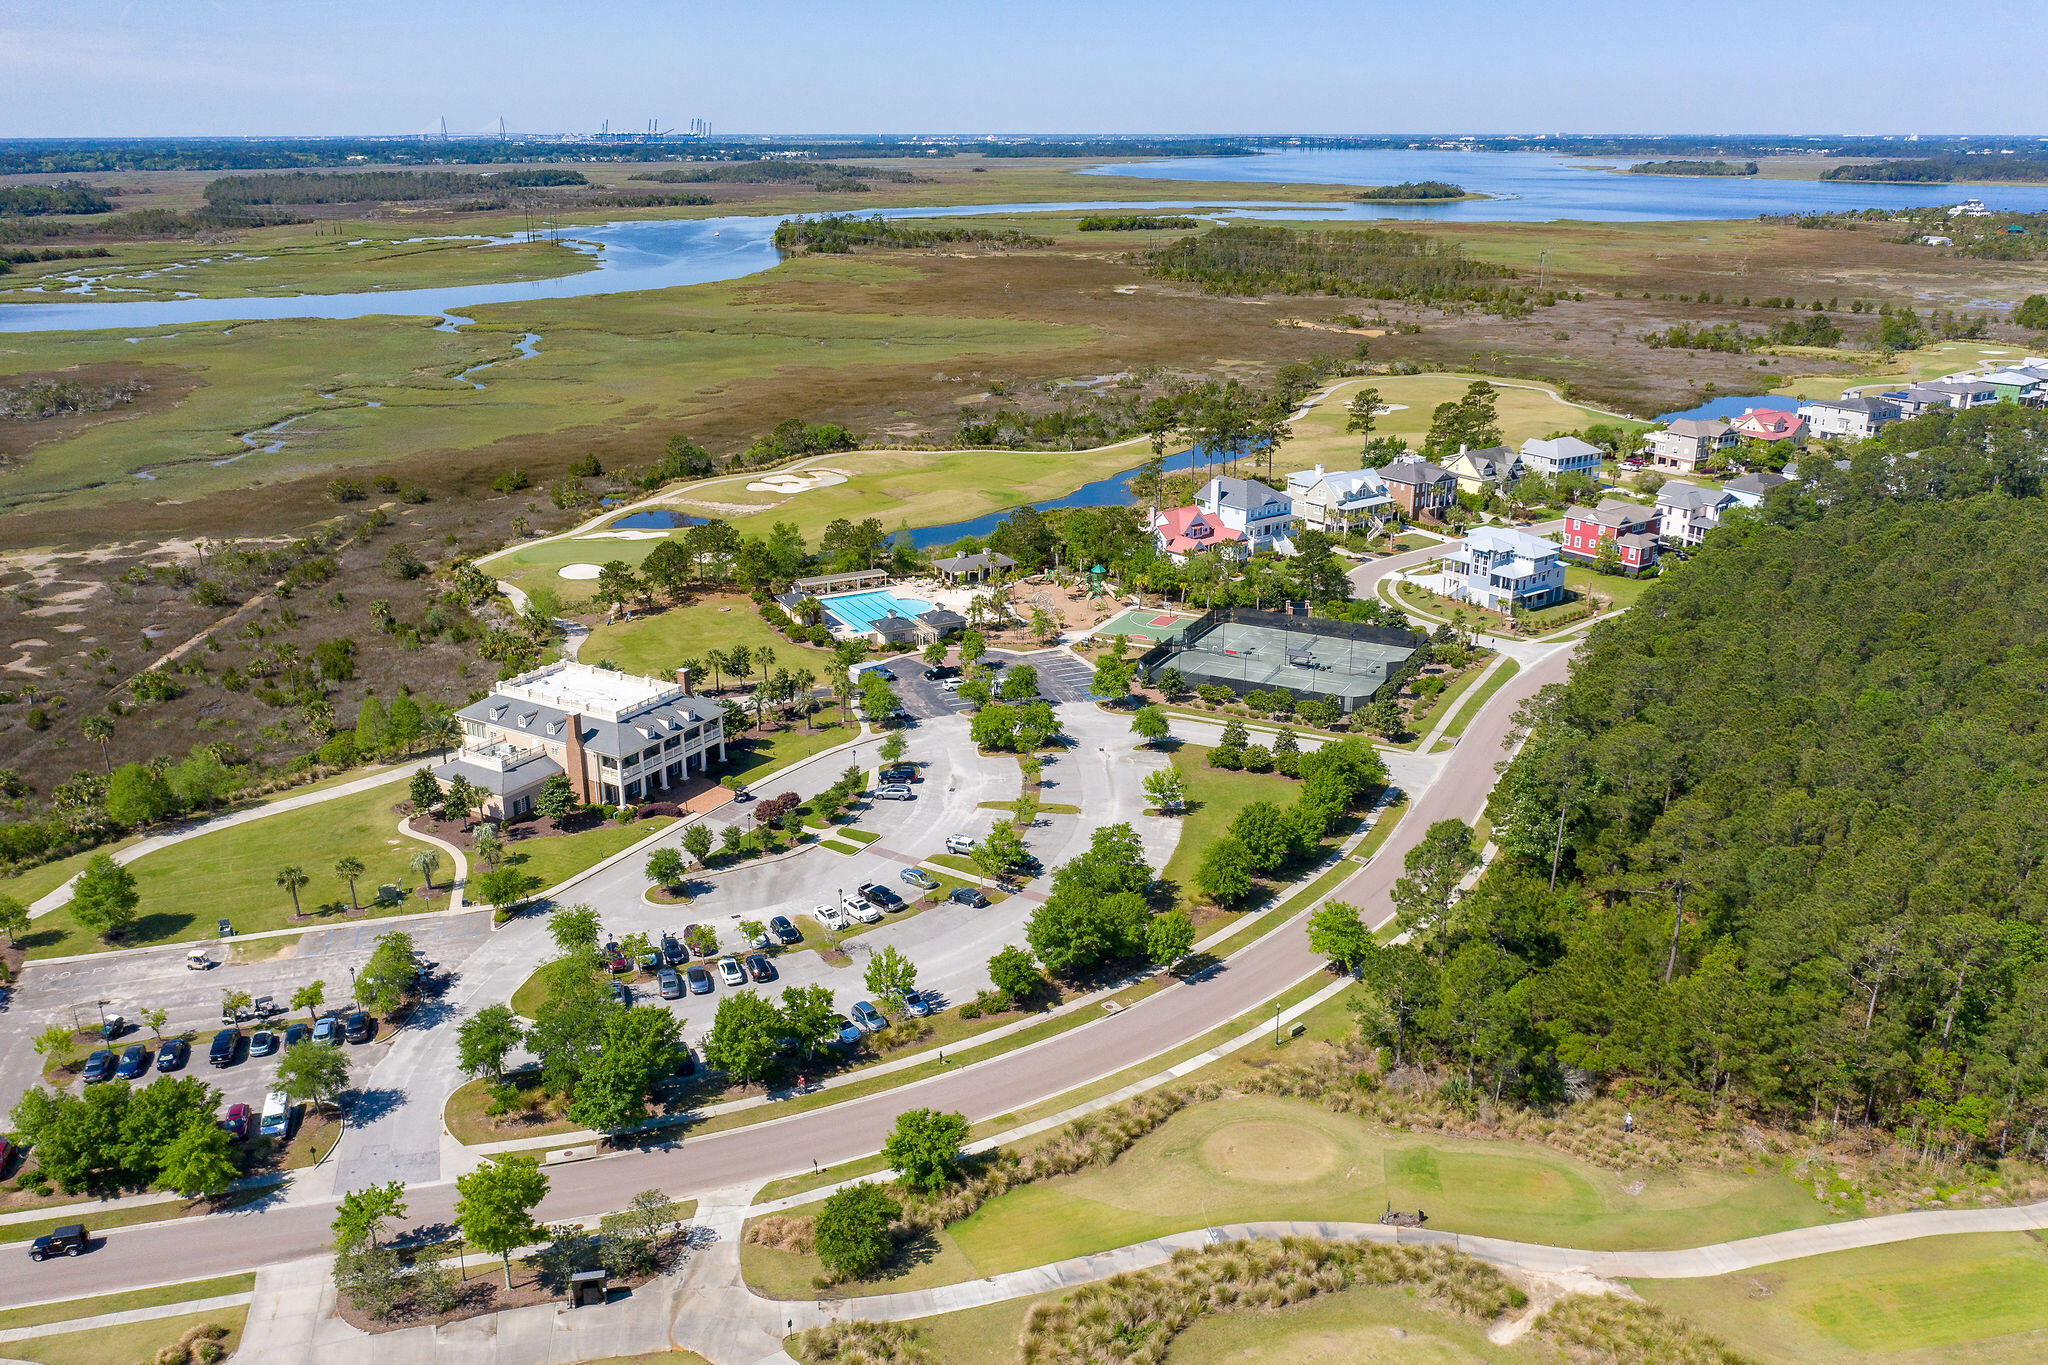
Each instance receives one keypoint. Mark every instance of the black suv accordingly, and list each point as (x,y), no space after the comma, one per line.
(361,1027)
(69,1240)
(673,952)
(899,772)
(98,1067)
(225,1044)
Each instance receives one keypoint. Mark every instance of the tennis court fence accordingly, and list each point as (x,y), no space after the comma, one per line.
(1310,657)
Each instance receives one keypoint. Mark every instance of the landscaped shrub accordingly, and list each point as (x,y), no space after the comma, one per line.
(658,808)
(1608,1330)
(781,1234)
(859,1343)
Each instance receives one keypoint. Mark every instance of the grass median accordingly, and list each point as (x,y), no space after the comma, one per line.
(157,1297)
(1477,702)
(146,1340)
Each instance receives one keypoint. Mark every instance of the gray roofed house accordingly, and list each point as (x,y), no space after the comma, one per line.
(1416,485)
(1687,511)
(1749,490)
(1852,415)
(938,623)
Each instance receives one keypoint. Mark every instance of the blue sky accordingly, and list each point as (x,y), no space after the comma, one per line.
(192,67)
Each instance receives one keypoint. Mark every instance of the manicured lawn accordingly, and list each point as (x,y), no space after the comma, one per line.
(656,642)
(756,754)
(1214,797)
(1978,1297)
(232,874)
(1260,1157)
(1620,589)
(559,857)
(1357,1326)
(121,1303)
(129,1341)
(38,882)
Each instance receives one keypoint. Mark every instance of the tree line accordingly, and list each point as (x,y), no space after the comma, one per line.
(72,196)
(834,233)
(1776,844)
(1374,263)
(825,176)
(1411,192)
(350,187)
(1683,167)
(1923,170)
(1135,222)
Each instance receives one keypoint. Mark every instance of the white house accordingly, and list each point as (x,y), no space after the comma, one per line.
(1339,500)
(1504,570)
(1686,511)
(1264,516)
(1751,489)
(1851,415)
(1689,442)
(1561,455)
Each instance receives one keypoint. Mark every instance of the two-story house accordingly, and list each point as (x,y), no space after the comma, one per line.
(1419,487)
(1183,532)
(1265,516)
(1631,526)
(1503,570)
(1751,489)
(1689,442)
(620,739)
(1339,500)
(1561,455)
(1686,511)
(1490,469)
(1770,425)
(1852,415)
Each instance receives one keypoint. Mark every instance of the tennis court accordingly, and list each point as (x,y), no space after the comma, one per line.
(1144,623)
(1250,651)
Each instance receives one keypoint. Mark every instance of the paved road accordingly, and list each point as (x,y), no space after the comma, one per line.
(239,1241)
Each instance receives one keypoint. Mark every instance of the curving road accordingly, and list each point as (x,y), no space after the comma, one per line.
(286,1230)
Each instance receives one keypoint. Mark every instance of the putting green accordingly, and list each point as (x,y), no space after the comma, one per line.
(1271,1153)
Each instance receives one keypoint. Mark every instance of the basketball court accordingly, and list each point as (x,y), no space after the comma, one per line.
(1144,623)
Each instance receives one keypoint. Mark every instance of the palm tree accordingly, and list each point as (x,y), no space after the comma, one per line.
(804,680)
(437,728)
(101,729)
(764,660)
(291,877)
(715,660)
(349,867)
(426,862)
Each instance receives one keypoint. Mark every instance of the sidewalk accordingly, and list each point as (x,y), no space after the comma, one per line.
(402,772)
(167,1310)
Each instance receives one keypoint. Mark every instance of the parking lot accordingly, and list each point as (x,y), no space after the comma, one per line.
(1063,678)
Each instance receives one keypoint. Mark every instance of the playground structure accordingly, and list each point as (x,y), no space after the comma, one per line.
(1247,651)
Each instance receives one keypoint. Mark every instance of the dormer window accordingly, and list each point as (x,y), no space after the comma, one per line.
(498,712)
(555,727)
(526,721)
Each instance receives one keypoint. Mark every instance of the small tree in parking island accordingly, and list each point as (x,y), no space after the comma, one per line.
(807,1016)
(494,1206)
(1149,723)
(313,1073)
(385,983)
(1163,789)
(310,997)
(894,746)
(742,1039)
(485,1040)
(891,976)
(665,866)
(697,843)
(851,1233)
(925,1147)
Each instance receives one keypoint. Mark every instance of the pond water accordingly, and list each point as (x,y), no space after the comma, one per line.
(1114,491)
(658,519)
(1725,408)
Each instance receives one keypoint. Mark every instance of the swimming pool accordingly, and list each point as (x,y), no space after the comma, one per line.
(858,611)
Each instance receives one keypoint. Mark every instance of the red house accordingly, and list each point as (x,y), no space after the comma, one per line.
(1770,424)
(1632,528)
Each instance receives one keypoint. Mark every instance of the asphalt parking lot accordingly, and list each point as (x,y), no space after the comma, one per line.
(923,700)
(1063,678)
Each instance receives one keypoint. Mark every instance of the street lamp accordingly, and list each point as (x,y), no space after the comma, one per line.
(1276,1023)
(103,1012)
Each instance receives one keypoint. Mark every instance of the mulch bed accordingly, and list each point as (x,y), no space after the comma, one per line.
(483,1290)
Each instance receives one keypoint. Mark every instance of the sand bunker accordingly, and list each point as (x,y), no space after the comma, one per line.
(582,573)
(798,483)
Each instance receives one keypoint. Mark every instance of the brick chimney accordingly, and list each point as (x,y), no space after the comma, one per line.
(683,678)
(572,758)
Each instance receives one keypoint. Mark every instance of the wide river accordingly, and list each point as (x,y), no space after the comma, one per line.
(664,253)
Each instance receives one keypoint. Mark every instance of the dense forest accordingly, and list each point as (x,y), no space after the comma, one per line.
(352,187)
(1693,168)
(1373,263)
(1943,169)
(1136,222)
(30,201)
(840,232)
(1782,839)
(1412,191)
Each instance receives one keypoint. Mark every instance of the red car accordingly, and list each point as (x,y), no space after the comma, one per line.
(237,1121)
(6,1155)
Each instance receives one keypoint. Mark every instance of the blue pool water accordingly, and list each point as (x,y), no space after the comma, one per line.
(1725,408)
(860,610)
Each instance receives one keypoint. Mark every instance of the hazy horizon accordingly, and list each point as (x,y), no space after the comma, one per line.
(321,68)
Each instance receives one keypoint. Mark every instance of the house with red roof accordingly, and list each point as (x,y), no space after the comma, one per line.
(1184,531)
(1770,424)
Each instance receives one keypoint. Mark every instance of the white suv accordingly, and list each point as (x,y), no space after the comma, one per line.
(831,916)
(960,843)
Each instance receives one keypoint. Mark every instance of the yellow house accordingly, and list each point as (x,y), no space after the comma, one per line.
(1490,470)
